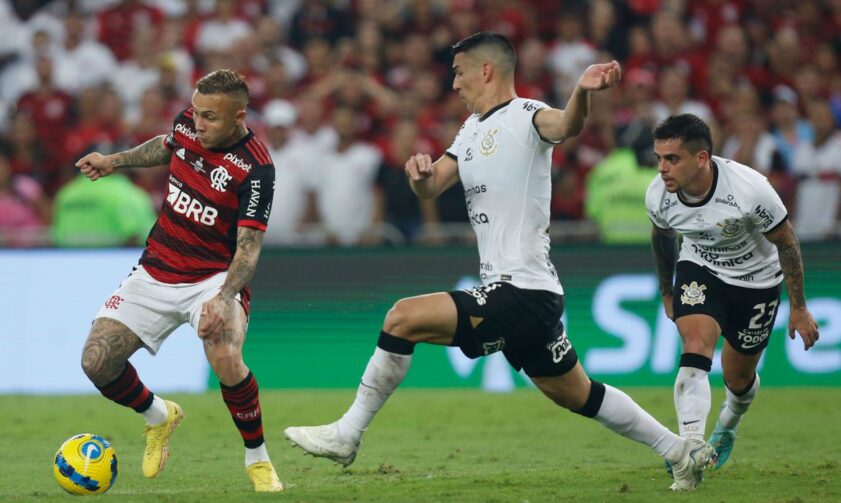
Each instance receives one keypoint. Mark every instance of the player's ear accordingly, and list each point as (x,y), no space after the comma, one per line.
(702,156)
(240,116)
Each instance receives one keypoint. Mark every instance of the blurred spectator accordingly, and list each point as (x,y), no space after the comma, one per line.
(818,165)
(674,97)
(570,54)
(111,211)
(50,110)
(142,71)
(533,78)
(24,209)
(81,61)
(635,120)
(788,128)
(294,182)
(346,183)
(219,32)
(318,19)
(26,154)
(118,25)
(750,143)
(396,204)
(615,190)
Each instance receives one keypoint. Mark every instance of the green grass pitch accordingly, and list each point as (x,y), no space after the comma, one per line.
(441,445)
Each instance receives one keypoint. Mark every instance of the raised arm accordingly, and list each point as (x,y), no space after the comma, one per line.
(556,125)
(664,246)
(791,263)
(216,311)
(429,179)
(150,153)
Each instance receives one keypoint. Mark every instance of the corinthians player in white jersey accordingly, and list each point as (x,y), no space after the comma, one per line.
(737,248)
(502,156)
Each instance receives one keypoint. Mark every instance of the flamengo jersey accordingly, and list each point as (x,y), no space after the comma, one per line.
(724,232)
(211,194)
(505,168)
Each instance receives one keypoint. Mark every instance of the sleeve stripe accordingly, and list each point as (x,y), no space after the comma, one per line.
(534,116)
(781,222)
(451,155)
(259,153)
(254,224)
(166,146)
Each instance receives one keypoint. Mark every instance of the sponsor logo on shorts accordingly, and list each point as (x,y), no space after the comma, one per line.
(750,339)
(693,294)
(480,293)
(559,347)
(113,302)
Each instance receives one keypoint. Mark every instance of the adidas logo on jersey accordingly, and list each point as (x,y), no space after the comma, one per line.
(236,161)
(182,203)
(181,153)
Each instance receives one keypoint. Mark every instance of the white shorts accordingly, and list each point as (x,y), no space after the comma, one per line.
(153,310)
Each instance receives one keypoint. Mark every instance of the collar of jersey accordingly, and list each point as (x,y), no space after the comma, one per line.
(709,194)
(494,109)
(241,141)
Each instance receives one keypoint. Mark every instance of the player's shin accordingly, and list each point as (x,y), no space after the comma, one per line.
(619,413)
(243,401)
(735,405)
(692,395)
(128,390)
(385,371)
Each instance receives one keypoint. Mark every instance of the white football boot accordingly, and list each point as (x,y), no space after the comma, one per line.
(323,441)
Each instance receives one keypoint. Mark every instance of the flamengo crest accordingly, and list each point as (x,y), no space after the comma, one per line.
(219,178)
(693,294)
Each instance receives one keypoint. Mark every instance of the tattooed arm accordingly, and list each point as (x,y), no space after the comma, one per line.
(151,153)
(664,247)
(791,263)
(216,311)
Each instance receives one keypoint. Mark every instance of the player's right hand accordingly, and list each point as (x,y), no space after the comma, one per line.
(95,165)
(419,167)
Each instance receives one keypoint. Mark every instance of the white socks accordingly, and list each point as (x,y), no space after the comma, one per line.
(256,455)
(156,413)
(735,406)
(692,401)
(621,414)
(385,371)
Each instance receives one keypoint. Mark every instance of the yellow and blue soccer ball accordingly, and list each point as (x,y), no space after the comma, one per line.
(85,464)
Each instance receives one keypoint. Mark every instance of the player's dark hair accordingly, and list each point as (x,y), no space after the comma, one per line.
(688,128)
(224,82)
(496,42)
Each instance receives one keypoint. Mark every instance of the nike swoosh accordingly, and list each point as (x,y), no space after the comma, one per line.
(690,422)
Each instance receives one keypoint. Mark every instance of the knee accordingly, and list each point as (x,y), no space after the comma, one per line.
(95,368)
(398,320)
(698,342)
(738,382)
(228,366)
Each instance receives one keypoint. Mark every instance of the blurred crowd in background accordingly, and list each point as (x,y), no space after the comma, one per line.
(343,91)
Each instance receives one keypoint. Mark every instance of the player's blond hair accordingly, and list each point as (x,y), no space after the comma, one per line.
(224,82)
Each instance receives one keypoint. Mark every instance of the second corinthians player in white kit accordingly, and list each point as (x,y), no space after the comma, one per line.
(502,155)
(738,245)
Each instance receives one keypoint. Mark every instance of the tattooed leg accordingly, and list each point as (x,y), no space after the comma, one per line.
(225,351)
(107,349)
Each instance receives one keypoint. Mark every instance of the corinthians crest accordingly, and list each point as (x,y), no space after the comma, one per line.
(693,294)
(489,144)
(730,227)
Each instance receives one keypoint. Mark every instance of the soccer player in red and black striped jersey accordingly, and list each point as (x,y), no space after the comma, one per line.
(198,259)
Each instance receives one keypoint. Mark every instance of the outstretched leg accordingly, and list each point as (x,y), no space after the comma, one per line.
(427,318)
(619,413)
(105,361)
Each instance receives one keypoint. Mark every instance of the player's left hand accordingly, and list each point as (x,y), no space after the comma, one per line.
(802,321)
(600,76)
(216,314)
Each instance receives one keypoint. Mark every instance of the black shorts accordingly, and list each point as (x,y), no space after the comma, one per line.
(746,315)
(524,324)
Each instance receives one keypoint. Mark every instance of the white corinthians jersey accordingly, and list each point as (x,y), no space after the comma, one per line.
(505,168)
(724,232)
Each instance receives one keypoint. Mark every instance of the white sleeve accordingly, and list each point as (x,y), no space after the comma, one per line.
(768,210)
(453,150)
(653,201)
(524,121)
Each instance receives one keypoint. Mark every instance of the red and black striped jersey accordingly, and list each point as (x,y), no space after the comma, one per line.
(212,192)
